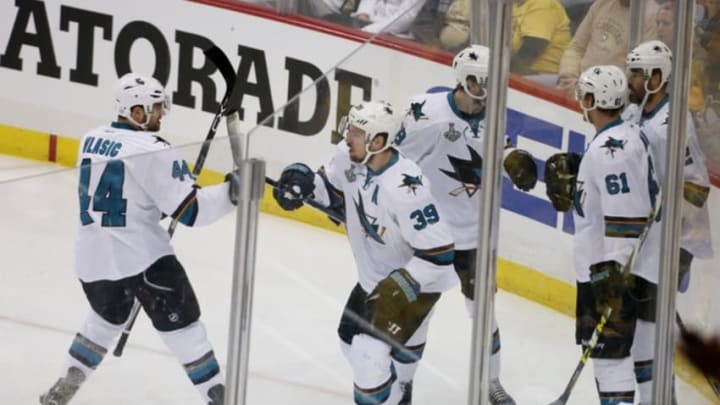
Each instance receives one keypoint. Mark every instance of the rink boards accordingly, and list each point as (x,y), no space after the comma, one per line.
(61,59)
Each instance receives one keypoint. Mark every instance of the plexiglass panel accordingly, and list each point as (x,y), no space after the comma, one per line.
(299,71)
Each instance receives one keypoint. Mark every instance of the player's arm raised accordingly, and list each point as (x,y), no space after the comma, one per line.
(181,198)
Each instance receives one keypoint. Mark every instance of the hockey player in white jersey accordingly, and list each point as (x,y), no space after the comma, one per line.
(443,133)
(650,65)
(401,243)
(129,179)
(613,196)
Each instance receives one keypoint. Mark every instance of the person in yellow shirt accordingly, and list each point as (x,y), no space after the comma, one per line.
(540,34)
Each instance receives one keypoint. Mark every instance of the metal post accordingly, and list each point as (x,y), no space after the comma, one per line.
(490,196)
(671,210)
(637,22)
(252,186)
(479,22)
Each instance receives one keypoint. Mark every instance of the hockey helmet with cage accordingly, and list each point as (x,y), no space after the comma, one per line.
(374,118)
(136,90)
(607,84)
(472,61)
(651,55)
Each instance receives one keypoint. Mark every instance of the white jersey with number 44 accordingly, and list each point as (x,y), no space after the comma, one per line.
(128,180)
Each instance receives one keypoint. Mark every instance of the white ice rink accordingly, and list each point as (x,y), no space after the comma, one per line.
(302,279)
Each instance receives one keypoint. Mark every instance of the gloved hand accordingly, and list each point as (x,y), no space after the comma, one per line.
(234,179)
(389,301)
(296,183)
(560,173)
(520,166)
(607,283)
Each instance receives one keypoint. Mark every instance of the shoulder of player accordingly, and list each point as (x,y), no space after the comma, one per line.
(423,110)
(131,140)
(617,144)
(140,139)
(403,178)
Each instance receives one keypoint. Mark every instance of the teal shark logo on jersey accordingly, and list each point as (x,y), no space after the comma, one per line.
(411,182)
(416,111)
(467,172)
(368,223)
(613,145)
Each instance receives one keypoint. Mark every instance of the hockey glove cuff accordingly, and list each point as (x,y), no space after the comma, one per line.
(233,178)
(560,173)
(390,299)
(296,183)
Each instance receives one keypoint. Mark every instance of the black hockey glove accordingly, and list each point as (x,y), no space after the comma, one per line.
(521,168)
(389,301)
(607,283)
(296,183)
(560,173)
(234,179)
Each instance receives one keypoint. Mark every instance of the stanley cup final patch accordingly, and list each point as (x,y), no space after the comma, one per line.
(452,134)
(350,174)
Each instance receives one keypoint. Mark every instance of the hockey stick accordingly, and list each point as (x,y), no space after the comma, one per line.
(335,216)
(218,58)
(222,63)
(712,381)
(562,400)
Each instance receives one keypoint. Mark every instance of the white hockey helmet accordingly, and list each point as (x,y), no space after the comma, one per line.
(607,84)
(472,61)
(133,90)
(649,56)
(375,118)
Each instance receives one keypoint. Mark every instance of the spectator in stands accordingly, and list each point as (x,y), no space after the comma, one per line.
(338,11)
(711,15)
(665,24)
(388,16)
(428,23)
(708,122)
(540,34)
(455,35)
(602,39)
(576,10)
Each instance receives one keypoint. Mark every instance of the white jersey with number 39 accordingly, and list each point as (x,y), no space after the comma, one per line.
(128,180)
(392,220)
